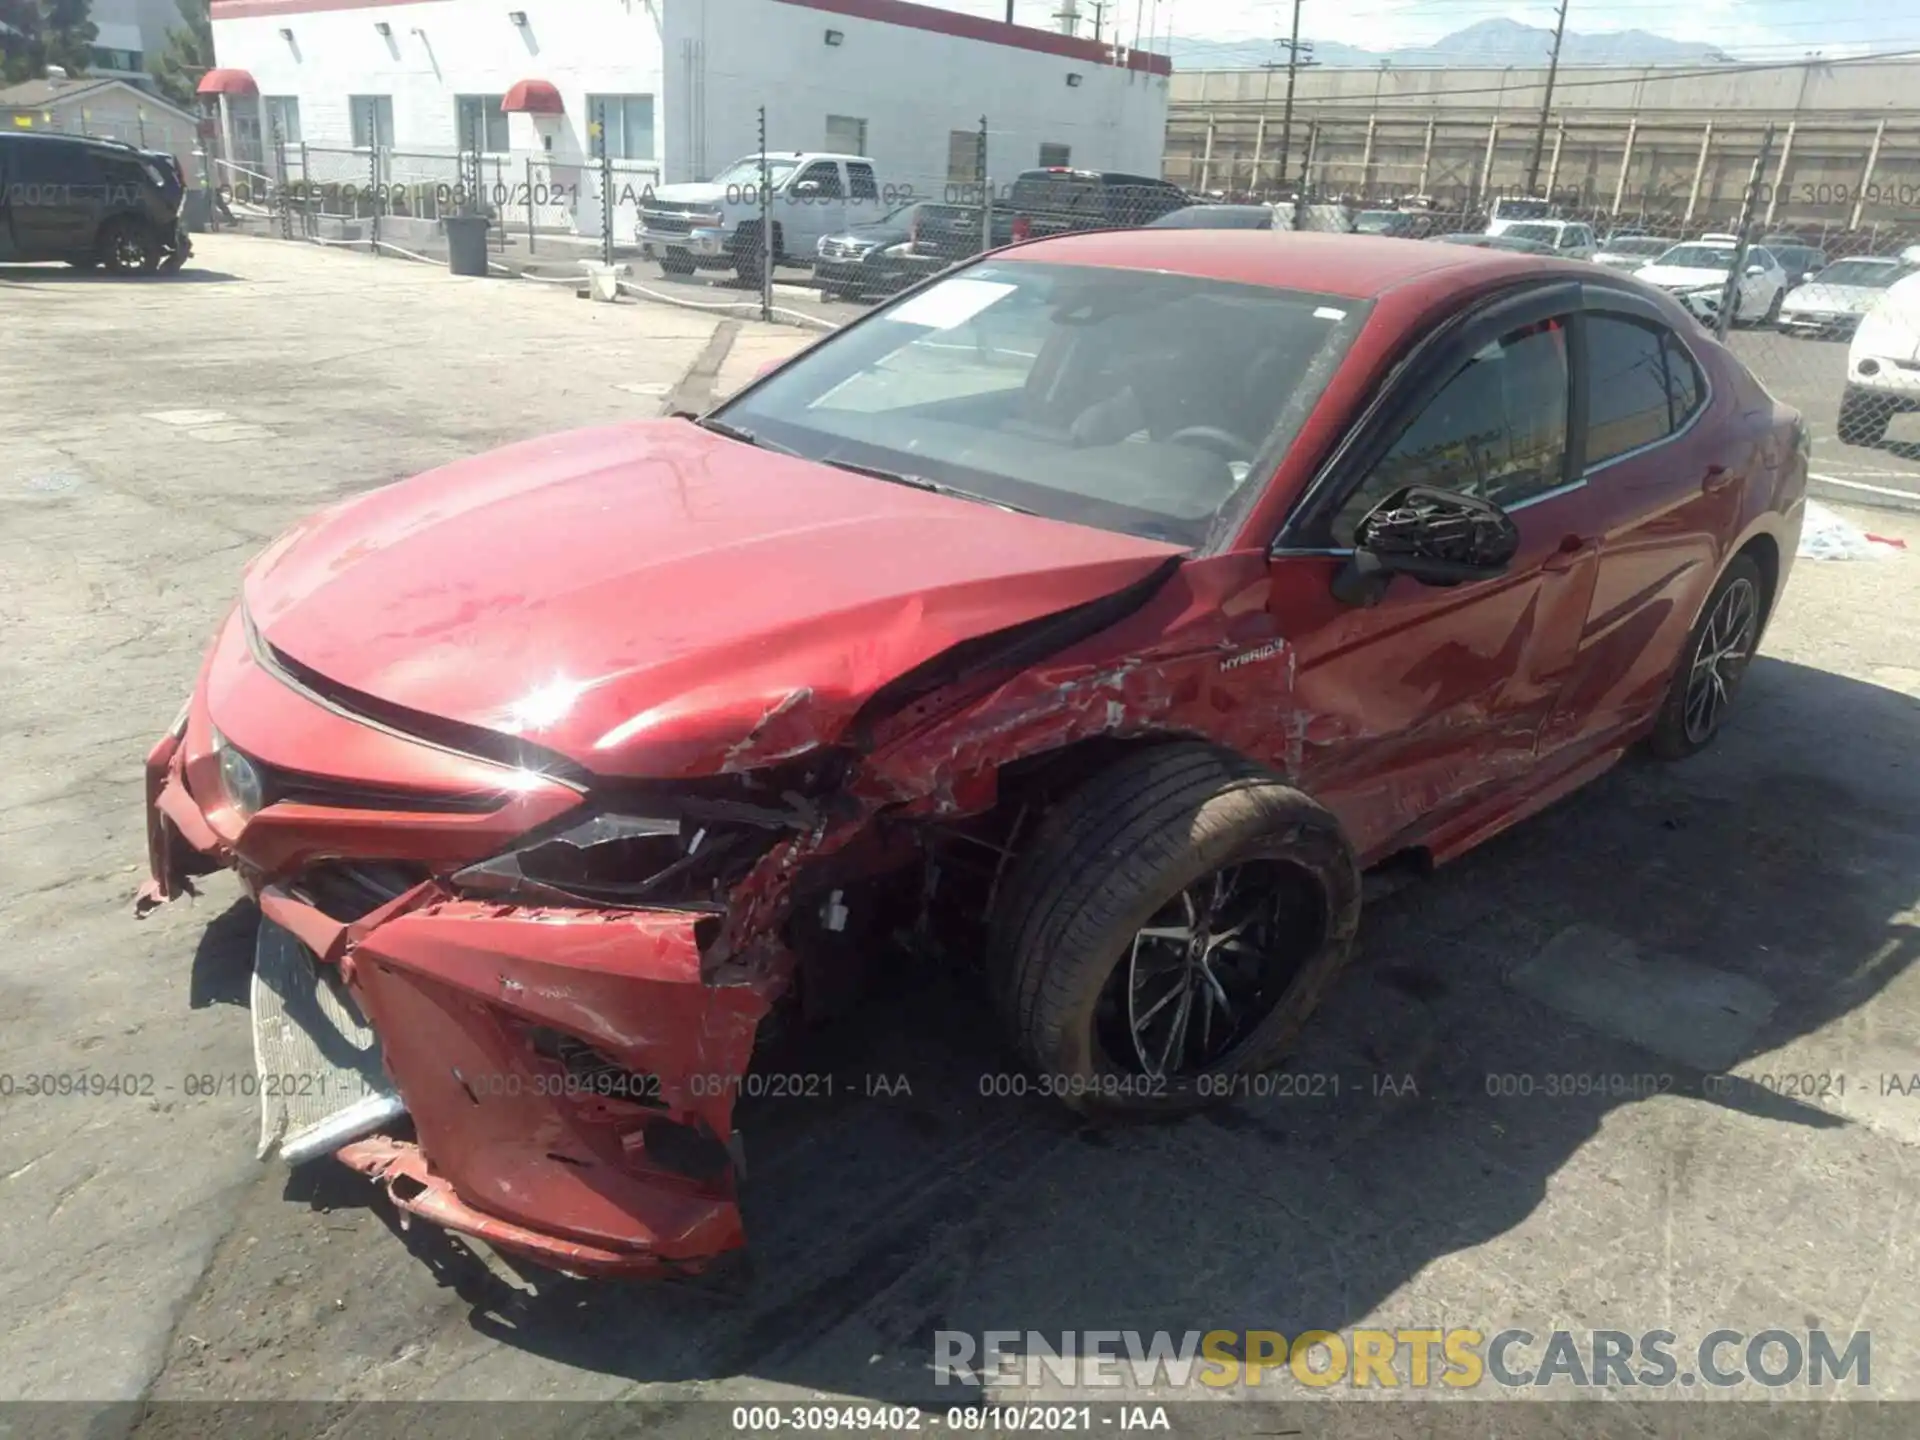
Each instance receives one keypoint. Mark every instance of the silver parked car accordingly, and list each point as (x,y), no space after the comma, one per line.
(1832,302)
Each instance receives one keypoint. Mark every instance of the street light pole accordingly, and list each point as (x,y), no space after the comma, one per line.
(1546,105)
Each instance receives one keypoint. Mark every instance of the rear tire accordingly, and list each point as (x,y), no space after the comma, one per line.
(1863,417)
(1254,876)
(1729,627)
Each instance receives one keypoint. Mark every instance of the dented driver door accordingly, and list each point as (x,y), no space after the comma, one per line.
(1430,701)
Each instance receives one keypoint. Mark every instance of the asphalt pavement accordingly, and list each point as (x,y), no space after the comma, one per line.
(1809,375)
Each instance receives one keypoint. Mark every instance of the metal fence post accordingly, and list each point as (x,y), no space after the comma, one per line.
(529,205)
(282,201)
(309,225)
(373,178)
(766,224)
(986,187)
(1730,297)
(606,183)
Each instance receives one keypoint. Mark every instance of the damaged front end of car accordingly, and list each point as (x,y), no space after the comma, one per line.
(559,978)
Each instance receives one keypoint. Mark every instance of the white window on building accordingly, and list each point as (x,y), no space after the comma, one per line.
(846,135)
(963,157)
(283,118)
(1054,157)
(629,124)
(372,121)
(482,124)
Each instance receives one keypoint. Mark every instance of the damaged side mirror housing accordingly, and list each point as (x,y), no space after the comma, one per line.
(1438,537)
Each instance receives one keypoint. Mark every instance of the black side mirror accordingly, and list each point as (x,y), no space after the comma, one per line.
(1438,537)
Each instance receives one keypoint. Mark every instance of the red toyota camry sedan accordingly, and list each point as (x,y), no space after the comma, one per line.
(1111,603)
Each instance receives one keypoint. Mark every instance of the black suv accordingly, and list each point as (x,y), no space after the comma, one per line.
(90,202)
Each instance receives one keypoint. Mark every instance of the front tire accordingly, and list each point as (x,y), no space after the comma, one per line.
(1863,418)
(128,247)
(1715,660)
(672,264)
(1171,927)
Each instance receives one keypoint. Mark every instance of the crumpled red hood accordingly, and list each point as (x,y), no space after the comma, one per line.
(651,599)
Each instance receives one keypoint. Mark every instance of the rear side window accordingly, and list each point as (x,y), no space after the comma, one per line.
(1641,386)
(50,162)
(860,178)
(1685,391)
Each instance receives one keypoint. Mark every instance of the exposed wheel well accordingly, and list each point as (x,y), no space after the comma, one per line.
(1765,552)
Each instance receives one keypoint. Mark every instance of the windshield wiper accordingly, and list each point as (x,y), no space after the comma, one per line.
(921,482)
(730,431)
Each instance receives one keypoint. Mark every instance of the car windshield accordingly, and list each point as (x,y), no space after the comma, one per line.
(1538,233)
(1379,222)
(1877,273)
(1521,209)
(747,171)
(1215,217)
(1698,257)
(1130,400)
(1635,245)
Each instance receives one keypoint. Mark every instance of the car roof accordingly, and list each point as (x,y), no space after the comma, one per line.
(1322,262)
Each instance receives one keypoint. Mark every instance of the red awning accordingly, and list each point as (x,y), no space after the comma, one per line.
(533,97)
(227,82)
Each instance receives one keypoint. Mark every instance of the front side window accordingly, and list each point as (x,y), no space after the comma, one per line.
(1498,430)
(1877,274)
(860,180)
(1127,400)
(1686,391)
(824,176)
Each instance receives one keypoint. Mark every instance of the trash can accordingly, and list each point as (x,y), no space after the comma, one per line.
(466,244)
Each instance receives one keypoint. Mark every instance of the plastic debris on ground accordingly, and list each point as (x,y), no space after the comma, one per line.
(1826,536)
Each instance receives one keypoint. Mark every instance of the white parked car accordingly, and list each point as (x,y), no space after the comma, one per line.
(1883,365)
(715,224)
(1630,252)
(1513,209)
(1833,302)
(1695,273)
(1569,239)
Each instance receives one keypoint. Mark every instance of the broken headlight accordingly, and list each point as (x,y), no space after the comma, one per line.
(610,859)
(239,778)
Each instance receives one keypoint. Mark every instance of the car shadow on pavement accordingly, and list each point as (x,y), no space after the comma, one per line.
(66,274)
(925,1192)
(222,971)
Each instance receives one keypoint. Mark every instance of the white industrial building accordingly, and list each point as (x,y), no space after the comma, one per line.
(679,83)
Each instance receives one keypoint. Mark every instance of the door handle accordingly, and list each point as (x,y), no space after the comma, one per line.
(1717,478)
(1569,552)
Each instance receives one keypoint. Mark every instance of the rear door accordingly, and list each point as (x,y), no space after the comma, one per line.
(819,208)
(1430,703)
(1661,488)
(863,194)
(7,148)
(54,200)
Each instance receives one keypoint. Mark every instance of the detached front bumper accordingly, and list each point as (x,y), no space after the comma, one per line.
(569,1073)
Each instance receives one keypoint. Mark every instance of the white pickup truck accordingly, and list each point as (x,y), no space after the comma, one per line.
(715,224)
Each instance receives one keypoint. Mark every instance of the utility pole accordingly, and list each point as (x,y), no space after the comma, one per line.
(1297,55)
(1099,8)
(1546,105)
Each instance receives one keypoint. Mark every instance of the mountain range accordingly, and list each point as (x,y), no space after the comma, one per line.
(1494,43)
